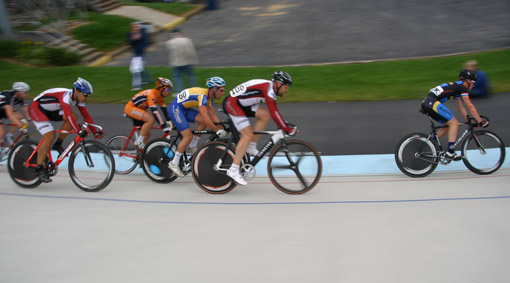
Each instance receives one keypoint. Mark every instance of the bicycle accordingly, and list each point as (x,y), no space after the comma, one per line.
(126,154)
(158,153)
(294,166)
(91,164)
(23,134)
(418,154)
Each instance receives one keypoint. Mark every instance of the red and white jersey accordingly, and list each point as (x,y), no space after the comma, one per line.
(60,99)
(259,91)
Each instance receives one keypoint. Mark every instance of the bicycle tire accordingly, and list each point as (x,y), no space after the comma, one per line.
(124,152)
(157,154)
(487,161)
(23,176)
(416,155)
(91,166)
(202,168)
(294,167)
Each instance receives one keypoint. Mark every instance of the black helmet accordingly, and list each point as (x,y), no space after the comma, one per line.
(283,77)
(467,74)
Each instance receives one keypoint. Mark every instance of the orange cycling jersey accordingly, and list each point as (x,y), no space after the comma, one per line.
(148,98)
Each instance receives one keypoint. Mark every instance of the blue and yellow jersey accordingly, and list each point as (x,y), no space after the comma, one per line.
(193,97)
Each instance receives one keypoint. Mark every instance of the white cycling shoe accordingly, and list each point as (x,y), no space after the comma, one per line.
(236,176)
(176,169)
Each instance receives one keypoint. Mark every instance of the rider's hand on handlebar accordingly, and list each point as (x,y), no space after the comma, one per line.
(83,133)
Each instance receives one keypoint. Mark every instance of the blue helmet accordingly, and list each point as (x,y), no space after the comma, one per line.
(215,81)
(83,86)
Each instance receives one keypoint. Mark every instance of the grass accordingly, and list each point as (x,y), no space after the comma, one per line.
(395,80)
(178,9)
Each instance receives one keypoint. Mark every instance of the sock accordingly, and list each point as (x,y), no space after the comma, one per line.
(234,168)
(177,158)
(253,145)
(140,139)
(451,147)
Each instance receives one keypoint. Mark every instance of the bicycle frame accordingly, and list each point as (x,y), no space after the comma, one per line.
(134,131)
(77,141)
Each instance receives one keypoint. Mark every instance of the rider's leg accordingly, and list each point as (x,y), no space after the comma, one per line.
(241,147)
(183,144)
(145,130)
(453,127)
(66,126)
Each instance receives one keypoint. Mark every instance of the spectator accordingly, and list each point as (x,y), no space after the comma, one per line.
(182,57)
(482,85)
(138,40)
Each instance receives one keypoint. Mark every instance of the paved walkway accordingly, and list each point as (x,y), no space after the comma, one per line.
(159,19)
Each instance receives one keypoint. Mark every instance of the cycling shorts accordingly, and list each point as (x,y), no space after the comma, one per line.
(437,110)
(238,113)
(134,112)
(42,118)
(181,116)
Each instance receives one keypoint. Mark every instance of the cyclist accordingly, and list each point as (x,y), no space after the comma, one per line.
(151,99)
(9,98)
(433,105)
(55,105)
(244,101)
(181,112)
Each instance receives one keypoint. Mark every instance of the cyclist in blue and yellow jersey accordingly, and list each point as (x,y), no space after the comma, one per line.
(433,105)
(181,112)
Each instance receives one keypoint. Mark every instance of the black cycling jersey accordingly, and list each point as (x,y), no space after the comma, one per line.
(451,90)
(7,97)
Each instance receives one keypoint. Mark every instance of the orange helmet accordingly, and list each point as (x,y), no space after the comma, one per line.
(163,82)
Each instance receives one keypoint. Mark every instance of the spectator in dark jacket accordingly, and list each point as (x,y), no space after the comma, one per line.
(138,40)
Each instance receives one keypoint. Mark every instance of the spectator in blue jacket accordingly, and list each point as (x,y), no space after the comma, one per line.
(138,39)
(482,86)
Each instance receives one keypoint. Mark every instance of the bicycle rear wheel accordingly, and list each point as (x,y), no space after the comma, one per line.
(157,154)
(483,152)
(125,154)
(91,166)
(294,167)
(23,176)
(416,155)
(202,168)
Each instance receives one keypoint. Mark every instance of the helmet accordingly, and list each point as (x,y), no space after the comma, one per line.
(164,82)
(83,86)
(215,81)
(467,74)
(283,77)
(20,86)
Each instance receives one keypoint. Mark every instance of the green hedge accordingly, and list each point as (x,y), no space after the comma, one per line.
(35,54)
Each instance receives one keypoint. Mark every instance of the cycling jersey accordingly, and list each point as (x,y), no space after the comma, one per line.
(52,104)
(150,98)
(433,103)
(245,98)
(181,110)
(7,97)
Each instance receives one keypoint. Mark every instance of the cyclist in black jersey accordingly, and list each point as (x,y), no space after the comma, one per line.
(9,98)
(433,105)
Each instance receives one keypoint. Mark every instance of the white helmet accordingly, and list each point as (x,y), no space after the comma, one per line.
(20,86)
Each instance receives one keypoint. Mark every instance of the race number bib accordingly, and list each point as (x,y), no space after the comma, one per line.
(183,96)
(437,90)
(238,90)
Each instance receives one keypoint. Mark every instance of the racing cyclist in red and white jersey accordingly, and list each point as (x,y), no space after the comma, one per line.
(55,105)
(243,102)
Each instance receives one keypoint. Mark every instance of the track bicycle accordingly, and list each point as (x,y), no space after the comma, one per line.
(23,135)
(294,166)
(158,153)
(91,164)
(126,154)
(418,154)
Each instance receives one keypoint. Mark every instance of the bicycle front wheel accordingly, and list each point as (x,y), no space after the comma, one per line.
(483,152)
(157,154)
(416,155)
(21,175)
(204,173)
(91,166)
(125,154)
(294,167)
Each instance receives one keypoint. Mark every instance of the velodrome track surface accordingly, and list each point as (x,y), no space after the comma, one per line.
(448,227)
